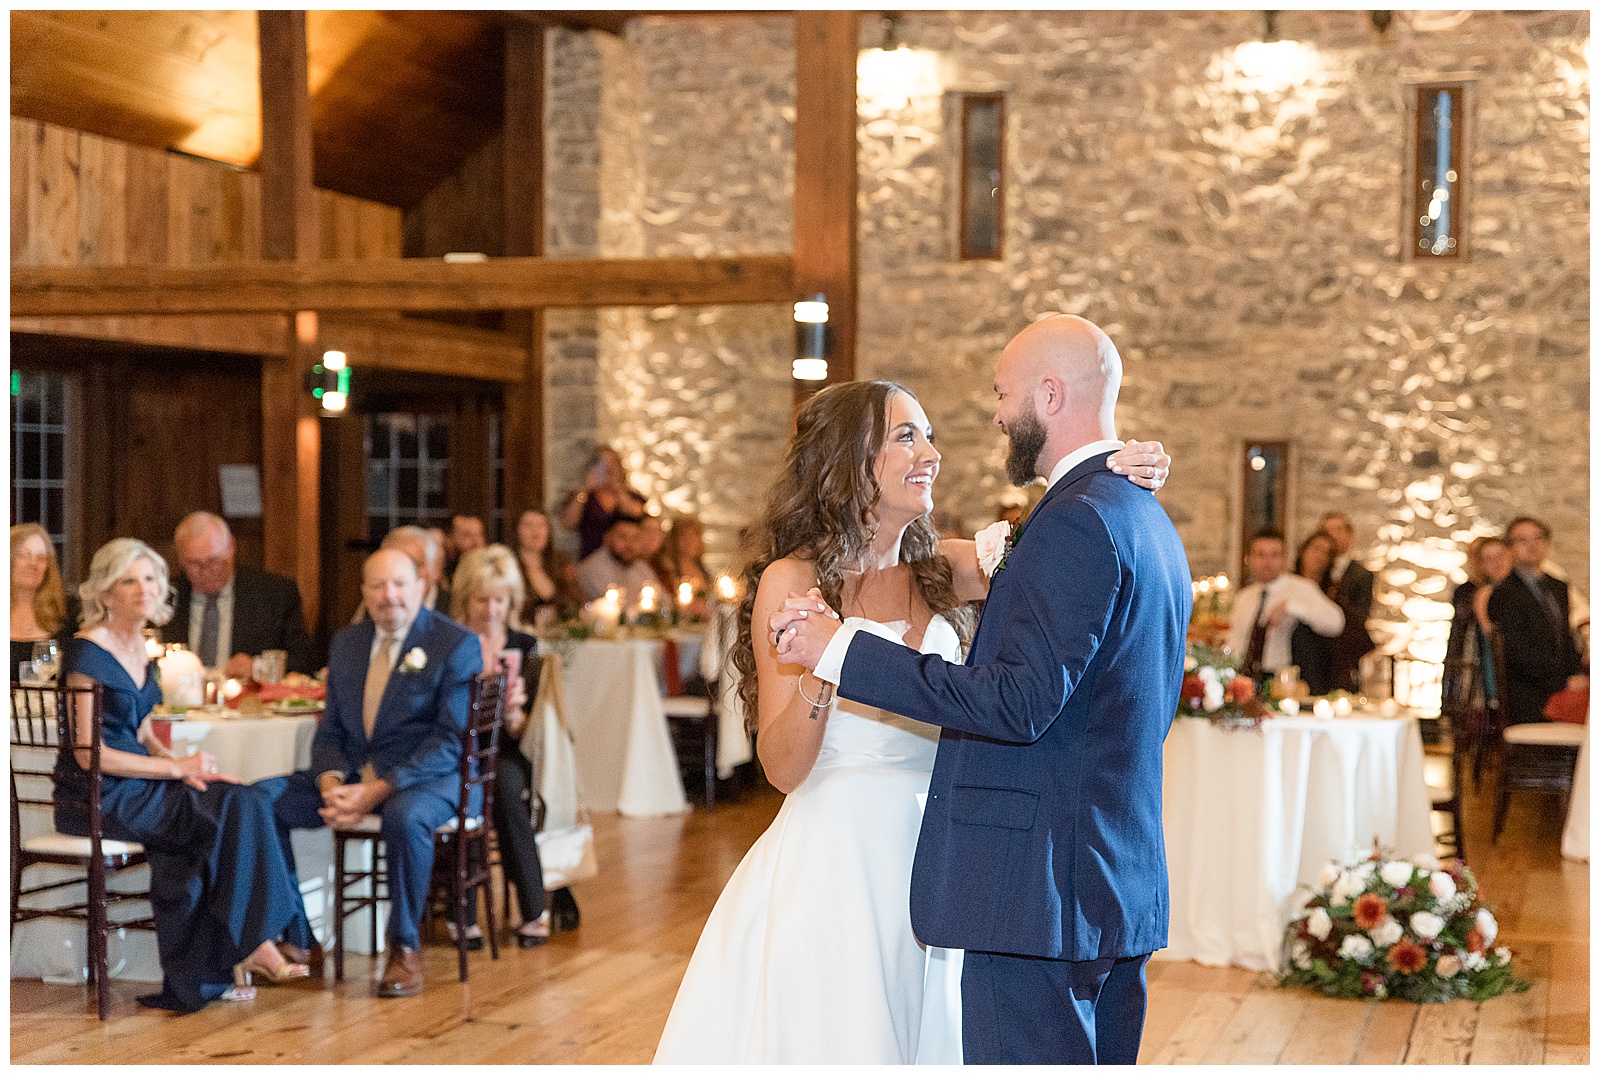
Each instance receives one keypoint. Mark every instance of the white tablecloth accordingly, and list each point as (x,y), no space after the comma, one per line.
(251,749)
(1575,837)
(1251,815)
(619,730)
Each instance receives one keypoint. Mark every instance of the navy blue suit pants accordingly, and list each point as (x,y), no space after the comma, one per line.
(1026,1010)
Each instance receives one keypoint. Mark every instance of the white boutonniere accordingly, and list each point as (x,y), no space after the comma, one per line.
(415,660)
(994,545)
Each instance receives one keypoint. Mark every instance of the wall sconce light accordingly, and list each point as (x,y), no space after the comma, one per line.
(813,339)
(1270,33)
(889,77)
(1381,20)
(329,382)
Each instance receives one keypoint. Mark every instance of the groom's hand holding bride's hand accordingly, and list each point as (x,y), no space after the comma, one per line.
(802,628)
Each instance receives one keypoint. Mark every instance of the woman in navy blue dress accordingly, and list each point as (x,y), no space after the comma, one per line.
(219,887)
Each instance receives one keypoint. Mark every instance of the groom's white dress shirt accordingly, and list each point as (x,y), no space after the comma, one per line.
(830,666)
(1306,604)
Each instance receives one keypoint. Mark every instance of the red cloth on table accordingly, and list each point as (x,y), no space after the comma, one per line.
(1569,706)
(669,659)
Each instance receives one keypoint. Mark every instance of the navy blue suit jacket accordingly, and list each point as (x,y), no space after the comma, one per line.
(1042,834)
(417,737)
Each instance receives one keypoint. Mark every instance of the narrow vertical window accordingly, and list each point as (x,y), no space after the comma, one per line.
(983,196)
(1438,217)
(41,440)
(1266,491)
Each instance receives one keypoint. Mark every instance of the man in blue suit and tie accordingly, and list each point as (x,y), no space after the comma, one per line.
(1042,851)
(390,744)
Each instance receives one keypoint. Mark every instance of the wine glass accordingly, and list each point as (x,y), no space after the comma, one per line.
(46,660)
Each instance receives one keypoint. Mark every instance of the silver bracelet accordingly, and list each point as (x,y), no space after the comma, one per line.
(817,705)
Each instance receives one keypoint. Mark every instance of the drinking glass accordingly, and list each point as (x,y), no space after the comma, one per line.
(271,665)
(46,660)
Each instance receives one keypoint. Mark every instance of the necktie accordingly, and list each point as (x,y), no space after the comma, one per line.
(372,697)
(210,622)
(1258,639)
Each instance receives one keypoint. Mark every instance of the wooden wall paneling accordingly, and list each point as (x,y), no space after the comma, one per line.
(522,199)
(207,229)
(53,198)
(423,347)
(249,216)
(825,174)
(145,214)
(180,249)
(102,201)
(21,188)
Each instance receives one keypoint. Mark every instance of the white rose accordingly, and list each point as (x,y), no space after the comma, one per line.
(1396,874)
(1213,697)
(1300,955)
(1425,925)
(1349,886)
(1319,923)
(1227,675)
(1425,861)
(1330,874)
(1502,955)
(1190,663)
(1448,966)
(416,659)
(1473,961)
(991,542)
(1487,925)
(1386,932)
(1208,675)
(1442,885)
(1356,947)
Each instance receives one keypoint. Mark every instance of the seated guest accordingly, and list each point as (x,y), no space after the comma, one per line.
(487,587)
(464,535)
(652,547)
(548,577)
(38,602)
(684,560)
(389,743)
(617,563)
(1531,611)
(220,888)
(425,547)
(1266,611)
(222,609)
(1311,652)
(1350,586)
(607,495)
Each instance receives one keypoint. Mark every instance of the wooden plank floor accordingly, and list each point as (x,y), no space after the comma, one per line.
(602,993)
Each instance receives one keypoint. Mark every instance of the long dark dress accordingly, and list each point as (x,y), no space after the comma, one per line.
(1314,655)
(219,885)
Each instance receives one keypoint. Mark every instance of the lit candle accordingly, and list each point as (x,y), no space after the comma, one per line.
(1341,707)
(231,689)
(1290,707)
(182,677)
(1222,582)
(685,594)
(1205,585)
(647,599)
(1389,708)
(153,648)
(1322,709)
(725,588)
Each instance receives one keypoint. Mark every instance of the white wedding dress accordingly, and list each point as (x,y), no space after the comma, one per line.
(808,956)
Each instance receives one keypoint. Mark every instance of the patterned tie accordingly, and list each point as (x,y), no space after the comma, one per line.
(1258,640)
(210,623)
(377,680)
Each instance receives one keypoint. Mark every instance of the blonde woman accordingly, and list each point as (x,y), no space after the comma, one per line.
(38,603)
(220,888)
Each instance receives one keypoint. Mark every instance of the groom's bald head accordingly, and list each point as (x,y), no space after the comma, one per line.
(1065,372)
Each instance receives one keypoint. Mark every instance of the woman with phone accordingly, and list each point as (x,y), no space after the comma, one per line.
(606,496)
(487,586)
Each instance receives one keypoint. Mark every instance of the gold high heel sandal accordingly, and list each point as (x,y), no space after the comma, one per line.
(246,970)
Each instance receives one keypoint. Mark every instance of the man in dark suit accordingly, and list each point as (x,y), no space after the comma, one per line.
(1351,587)
(1042,852)
(221,609)
(1531,609)
(389,744)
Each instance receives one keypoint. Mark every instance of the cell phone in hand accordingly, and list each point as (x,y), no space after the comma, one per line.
(511,662)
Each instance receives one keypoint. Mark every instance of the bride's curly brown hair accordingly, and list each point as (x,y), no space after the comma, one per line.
(821,507)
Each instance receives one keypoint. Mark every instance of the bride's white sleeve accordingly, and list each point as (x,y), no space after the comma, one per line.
(831,664)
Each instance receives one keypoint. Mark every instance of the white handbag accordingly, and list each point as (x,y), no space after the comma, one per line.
(566,840)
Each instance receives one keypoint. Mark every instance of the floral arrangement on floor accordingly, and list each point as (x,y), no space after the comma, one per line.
(1214,690)
(1411,930)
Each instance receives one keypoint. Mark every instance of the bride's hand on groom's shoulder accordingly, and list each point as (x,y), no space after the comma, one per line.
(1145,463)
(802,628)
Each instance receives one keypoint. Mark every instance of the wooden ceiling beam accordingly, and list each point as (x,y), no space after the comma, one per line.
(523,283)
(610,22)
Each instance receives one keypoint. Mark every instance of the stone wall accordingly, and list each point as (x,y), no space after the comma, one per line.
(1239,238)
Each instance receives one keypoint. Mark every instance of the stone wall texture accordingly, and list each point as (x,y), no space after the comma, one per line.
(1238,233)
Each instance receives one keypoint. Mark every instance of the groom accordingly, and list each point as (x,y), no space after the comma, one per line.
(1042,852)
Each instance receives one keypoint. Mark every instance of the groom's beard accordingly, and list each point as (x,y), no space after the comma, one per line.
(1027,435)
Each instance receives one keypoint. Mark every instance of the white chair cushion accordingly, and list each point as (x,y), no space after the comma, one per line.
(372,824)
(1546,735)
(686,706)
(57,844)
(1439,795)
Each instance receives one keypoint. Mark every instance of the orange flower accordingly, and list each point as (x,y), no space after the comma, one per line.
(1240,689)
(1407,958)
(1475,942)
(1370,910)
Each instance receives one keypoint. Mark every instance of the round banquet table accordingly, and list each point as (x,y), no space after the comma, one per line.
(249,748)
(1575,837)
(1250,815)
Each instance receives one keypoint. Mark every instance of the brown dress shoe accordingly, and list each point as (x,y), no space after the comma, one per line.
(402,974)
(312,957)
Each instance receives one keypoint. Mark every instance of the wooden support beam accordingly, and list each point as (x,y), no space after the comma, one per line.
(523,175)
(400,284)
(291,436)
(825,176)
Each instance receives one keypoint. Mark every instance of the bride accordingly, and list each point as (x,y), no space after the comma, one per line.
(808,956)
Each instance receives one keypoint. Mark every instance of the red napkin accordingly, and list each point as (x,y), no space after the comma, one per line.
(674,678)
(1569,706)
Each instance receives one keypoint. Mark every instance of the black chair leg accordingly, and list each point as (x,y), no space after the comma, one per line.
(1502,800)
(97,938)
(338,908)
(711,761)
